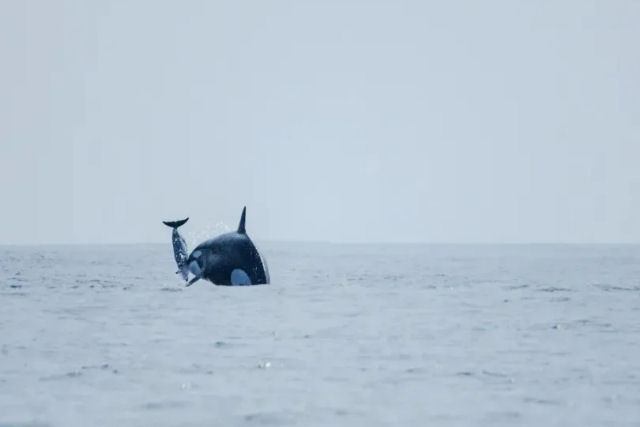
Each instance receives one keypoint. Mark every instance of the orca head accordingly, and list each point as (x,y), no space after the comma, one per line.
(196,263)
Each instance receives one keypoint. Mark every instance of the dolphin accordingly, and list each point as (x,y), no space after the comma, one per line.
(179,247)
(230,259)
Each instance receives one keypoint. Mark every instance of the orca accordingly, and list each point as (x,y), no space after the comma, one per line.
(230,259)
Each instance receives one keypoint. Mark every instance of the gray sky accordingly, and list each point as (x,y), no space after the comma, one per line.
(433,121)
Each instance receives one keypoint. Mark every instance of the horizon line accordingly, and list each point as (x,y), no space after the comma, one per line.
(346,243)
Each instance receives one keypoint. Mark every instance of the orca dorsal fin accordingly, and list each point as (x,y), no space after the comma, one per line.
(241,228)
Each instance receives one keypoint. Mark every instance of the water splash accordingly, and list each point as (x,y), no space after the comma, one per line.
(194,238)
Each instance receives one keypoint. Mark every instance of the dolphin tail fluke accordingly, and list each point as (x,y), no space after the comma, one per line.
(241,228)
(175,224)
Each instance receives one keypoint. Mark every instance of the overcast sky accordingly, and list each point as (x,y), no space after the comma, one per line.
(357,121)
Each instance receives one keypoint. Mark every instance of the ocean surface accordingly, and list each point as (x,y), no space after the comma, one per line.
(346,335)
